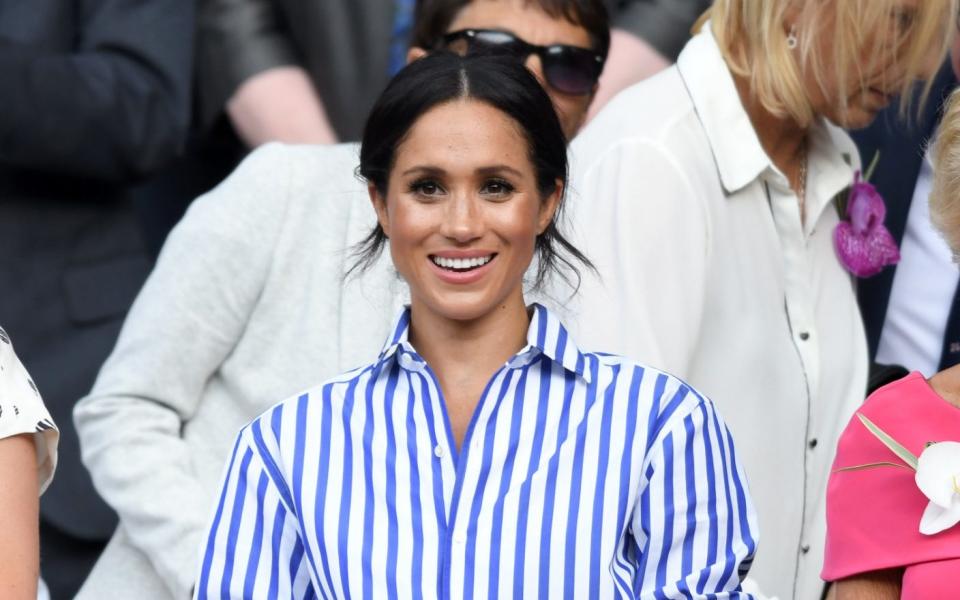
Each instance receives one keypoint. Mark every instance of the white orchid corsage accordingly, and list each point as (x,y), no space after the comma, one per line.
(937,476)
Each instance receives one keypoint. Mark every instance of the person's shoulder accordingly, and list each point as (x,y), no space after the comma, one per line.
(665,394)
(656,112)
(296,414)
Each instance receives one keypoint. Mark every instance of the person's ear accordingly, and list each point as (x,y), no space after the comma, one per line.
(415,53)
(380,206)
(548,208)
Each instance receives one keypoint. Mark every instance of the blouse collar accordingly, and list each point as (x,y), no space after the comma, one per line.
(546,336)
(739,157)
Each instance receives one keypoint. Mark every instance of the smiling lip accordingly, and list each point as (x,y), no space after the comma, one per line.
(467,275)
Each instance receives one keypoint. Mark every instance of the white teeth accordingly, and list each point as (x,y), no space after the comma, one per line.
(461,263)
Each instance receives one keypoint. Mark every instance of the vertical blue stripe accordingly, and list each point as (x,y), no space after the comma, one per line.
(369,495)
(689,453)
(506,479)
(550,499)
(626,465)
(416,500)
(238,501)
(323,476)
(603,458)
(536,452)
(728,566)
(346,485)
(667,449)
(276,539)
(257,542)
(653,417)
(391,484)
(215,527)
(712,532)
(647,529)
(576,489)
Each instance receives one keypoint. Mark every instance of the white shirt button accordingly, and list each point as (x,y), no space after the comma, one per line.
(459,539)
(438,451)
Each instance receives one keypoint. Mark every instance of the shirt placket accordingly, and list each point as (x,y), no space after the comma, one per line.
(798,304)
(456,471)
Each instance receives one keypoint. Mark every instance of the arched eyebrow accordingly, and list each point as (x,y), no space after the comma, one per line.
(437,171)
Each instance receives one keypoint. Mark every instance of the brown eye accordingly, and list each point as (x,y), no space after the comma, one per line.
(497,188)
(426,187)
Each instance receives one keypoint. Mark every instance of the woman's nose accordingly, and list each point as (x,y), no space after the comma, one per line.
(462,219)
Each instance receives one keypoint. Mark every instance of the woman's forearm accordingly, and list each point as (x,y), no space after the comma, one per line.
(19,511)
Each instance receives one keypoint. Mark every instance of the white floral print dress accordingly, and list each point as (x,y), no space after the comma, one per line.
(22,411)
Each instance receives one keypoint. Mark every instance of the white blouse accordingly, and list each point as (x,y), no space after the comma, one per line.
(22,411)
(709,274)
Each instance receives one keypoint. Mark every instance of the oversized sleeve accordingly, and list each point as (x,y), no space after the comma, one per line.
(694,523)
(870,486)
(664,24)
(645,227)
(237,39)
(253,547)
(22,411)
(116,107)
(189,316)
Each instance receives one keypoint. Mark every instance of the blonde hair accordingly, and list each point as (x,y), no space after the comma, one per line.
(945,195)
(751,37)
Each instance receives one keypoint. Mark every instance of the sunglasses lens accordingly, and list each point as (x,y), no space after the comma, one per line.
(571,70)
(495,42)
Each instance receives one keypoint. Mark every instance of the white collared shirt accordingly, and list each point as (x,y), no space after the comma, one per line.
(923,287)
(580,476)
(709,274)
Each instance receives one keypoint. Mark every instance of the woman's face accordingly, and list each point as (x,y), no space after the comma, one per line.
(854,103)
(462,210)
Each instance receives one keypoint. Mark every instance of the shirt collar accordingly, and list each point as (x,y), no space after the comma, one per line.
(546,335)
(739,157)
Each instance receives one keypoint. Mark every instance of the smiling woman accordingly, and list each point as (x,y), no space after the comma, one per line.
(482,453)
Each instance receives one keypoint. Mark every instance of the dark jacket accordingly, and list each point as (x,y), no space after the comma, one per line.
(95,95)
(901,144)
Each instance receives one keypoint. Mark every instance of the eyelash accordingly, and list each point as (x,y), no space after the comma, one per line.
(419,186)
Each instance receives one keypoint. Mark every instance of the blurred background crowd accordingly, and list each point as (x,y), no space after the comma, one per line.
(116,114)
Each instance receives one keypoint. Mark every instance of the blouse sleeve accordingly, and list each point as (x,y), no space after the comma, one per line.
(694,524)
(22,411)
(253,547)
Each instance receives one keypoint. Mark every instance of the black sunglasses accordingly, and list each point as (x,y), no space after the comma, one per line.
(568,69)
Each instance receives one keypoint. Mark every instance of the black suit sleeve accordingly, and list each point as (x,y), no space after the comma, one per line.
(115,107)
(237,39)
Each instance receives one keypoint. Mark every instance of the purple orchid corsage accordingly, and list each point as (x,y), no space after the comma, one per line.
(863,244)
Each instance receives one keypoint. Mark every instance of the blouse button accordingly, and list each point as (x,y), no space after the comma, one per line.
(804,336)
(805,548)
(813,443)
(438,451)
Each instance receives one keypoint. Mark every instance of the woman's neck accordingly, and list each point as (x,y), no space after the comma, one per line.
(452,346)
(782,138)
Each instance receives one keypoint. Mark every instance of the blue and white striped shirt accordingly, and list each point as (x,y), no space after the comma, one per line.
(581,476)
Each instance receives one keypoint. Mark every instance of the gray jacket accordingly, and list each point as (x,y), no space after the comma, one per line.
(244,308)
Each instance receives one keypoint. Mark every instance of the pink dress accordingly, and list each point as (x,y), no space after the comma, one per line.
(873,515)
